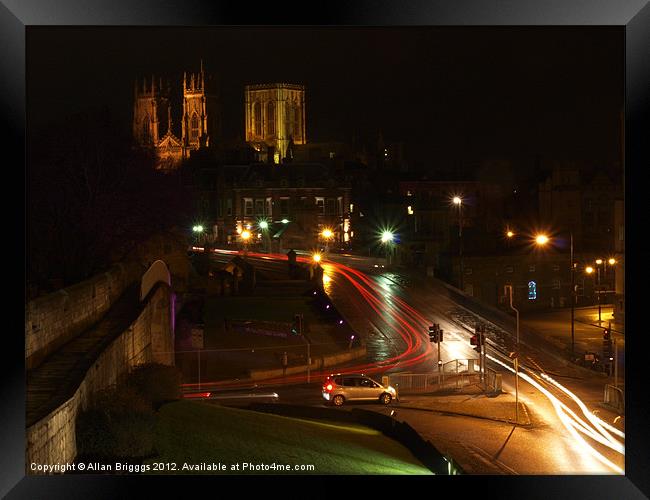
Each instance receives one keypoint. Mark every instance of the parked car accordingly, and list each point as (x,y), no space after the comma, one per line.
(338,389)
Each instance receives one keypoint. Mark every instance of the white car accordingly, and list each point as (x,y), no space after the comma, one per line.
(339,388)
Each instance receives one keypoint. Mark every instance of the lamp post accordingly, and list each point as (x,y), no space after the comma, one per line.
(327,235)
(387,238)
(458,201)
(516,356)
(264,226)
(197,230)
(541,240)
(245,236)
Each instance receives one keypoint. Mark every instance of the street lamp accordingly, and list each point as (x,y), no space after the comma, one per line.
(458,201)
(197,229)
(542,240)
(387,238)
(327,234)
(264,226)
(245,236)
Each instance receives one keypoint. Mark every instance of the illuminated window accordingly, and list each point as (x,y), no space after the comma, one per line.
(296,121)
(248,206)
(532,290)
(270,118)
(320,204)
(257,118)
(194,128)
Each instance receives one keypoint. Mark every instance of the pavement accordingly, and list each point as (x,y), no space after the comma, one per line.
(555,327)
(498,407)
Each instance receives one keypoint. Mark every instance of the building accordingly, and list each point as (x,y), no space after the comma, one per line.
(284,207)
(619,290)
(154,128)
(432,230)
(571,199)
(275,119)
(541,279)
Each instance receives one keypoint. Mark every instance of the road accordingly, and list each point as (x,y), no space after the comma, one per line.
(392,311)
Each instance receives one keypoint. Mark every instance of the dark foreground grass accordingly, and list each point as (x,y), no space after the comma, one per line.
(195,433)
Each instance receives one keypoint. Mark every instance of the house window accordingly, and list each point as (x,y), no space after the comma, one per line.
(556,284)
(284,206)
(248,206)
(468,270)
(532,290)
(556,267)
(320,204)
(531,268)
(469,289)
(229,206)
(339,205)
(259,207)
(269,206)
(509,269)
(331,206)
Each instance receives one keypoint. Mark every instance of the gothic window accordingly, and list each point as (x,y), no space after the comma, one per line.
(296,121)
(194,128)
(146,129)
(257,118)
(270,118)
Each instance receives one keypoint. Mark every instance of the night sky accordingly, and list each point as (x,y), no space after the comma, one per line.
(447,92)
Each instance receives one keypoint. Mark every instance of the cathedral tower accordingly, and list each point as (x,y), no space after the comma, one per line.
(151,101)
(275,117)
(200,115)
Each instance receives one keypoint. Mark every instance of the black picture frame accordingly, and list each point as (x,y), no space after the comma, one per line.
(16,15)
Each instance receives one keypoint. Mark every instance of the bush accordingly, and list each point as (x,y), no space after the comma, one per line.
(120,423)
(156,383)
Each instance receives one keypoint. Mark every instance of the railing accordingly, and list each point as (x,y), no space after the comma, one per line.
(492,380)
(614,397)
(455,374)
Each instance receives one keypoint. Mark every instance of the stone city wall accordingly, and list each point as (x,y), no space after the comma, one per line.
(52,439)
(56,318)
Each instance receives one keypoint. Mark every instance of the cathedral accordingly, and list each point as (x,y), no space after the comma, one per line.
(152,115)
(274,118)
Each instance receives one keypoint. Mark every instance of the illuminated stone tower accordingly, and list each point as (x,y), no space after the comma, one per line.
(151,101)
(200,114)
(275,117)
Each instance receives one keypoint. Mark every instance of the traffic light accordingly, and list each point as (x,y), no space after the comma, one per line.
(607,344)
(296,325)
(440,335)
(433,333)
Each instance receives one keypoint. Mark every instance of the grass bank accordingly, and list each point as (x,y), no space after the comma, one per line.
(195,433)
